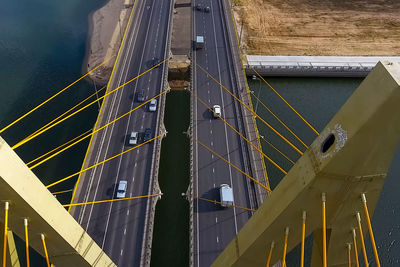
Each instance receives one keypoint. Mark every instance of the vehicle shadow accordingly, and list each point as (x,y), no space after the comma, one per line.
(206,206)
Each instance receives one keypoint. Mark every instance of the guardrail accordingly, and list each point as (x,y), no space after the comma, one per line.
(154,185)
(249,128)
(318,66)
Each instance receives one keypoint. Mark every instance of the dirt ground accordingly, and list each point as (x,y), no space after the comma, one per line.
(319,27)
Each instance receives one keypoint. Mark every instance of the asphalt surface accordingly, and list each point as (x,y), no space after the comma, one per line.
(119,227)
(214,226)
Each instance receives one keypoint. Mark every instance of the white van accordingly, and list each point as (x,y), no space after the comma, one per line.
(226,195)
(121,190)
(216,111)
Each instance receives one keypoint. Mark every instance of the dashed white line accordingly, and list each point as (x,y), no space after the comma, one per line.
(210,131)
(123,250)
(127,212)
(212,143)
(135,164)
(216,219)
(217,241)
(212,156)
(213,170)
(125,230)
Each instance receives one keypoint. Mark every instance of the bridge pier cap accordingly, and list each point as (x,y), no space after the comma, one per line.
(351,156)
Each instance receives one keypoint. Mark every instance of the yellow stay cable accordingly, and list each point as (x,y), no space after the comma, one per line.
(109,200)
(252,112)
(358,217)
(84,137)
(234,166)
(371,233)
(49,99)
(62,115)
(303,236)
(270,253)
(226,204)
(45,250)
(279,120)
(298,114)
(323,230)
(236,131)
(285,247)
(348,253)
(6,206)
(79,110)
(26,242)
(101,162)
(59,147)
(276,149)
(61,192)
(355,247)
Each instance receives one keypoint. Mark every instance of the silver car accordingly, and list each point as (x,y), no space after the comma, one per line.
(121,190)
(133,138)
(153,105)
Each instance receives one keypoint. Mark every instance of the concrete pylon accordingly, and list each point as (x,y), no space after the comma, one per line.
(67,242)
(351,156)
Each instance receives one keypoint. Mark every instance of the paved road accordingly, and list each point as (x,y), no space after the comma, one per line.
(119,227)
(215,227)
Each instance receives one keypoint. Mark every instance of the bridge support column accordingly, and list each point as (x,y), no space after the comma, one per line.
(351,156)
(68,243)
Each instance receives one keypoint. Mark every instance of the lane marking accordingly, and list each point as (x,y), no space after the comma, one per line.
(125,231)
(217,241)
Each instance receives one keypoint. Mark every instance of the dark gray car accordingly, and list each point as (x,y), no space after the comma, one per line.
(147,135)
(140,96)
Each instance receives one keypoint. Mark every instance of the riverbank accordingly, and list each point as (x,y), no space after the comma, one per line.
(322,28)
(106,29)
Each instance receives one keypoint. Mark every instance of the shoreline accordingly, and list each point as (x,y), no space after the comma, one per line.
(105,28)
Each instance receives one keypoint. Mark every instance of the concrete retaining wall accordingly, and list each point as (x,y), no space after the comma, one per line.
(313,66)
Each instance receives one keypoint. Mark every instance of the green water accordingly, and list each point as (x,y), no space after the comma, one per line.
(171,230)
(318,100)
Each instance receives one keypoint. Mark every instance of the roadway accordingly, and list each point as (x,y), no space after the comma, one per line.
(119,228)
(214,227)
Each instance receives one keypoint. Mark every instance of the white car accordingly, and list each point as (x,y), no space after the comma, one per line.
(153,105)
(133,138)
(121,190)
(216,111)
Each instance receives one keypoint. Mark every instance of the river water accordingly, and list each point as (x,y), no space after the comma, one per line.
(42,46)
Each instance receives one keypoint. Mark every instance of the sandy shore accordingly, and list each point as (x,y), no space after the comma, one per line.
(106,28)
(319,28)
